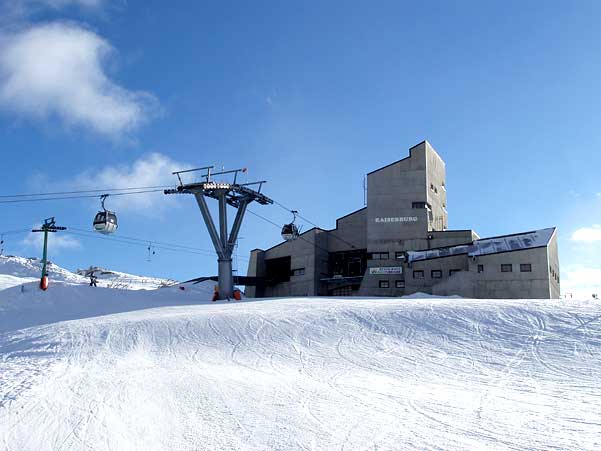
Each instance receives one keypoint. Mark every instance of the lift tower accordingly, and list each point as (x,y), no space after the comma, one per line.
(237,195)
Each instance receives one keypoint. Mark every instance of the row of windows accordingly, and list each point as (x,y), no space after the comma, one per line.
(397,284)
(437,273)
(434,274)
(398,255)
(508,267)
(380,256)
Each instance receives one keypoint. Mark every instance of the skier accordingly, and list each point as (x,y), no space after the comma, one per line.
(93,280)
(216,293)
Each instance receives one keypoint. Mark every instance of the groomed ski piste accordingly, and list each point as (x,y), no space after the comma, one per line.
(84,368)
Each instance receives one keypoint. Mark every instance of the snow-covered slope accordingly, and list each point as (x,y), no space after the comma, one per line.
(344,374)
(18,270)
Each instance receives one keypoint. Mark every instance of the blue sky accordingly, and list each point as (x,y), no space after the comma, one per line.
(310,96)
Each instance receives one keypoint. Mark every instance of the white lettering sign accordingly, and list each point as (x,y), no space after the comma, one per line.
(387,270)
(398,219)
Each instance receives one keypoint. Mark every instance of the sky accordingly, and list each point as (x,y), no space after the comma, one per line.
(309,96)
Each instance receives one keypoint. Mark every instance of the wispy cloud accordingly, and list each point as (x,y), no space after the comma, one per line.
(587,234)
(57,241)
(150,170)
(14,11)
(57,70)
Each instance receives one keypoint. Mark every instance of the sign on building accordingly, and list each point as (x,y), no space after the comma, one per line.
(398,219)
(386,270)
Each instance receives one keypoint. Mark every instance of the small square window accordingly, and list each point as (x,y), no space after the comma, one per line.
(399,255)
(480,268)
(436,274)
(399,283)
(379,256)
(525,267)
(453,271)
(383,284)
(418,274)
(507,267)
(298,272)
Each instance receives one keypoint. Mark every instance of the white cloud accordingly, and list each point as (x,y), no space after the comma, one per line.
(56,69)
(151,170)
(57,4)
(56,241)
(588,234)
(581,281)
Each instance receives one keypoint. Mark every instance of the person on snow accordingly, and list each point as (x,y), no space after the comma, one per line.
(93,280)
(216,293)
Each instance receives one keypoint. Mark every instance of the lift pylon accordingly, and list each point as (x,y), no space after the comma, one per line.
(49,226)
(237,195)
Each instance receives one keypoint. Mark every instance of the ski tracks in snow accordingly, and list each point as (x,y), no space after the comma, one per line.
(340,374)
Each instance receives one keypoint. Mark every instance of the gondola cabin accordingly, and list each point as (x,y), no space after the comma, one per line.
(289,231)
(105,222)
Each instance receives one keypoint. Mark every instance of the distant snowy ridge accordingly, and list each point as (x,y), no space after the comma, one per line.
(16,270)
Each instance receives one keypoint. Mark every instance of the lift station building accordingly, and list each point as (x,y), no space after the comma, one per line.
(400,244)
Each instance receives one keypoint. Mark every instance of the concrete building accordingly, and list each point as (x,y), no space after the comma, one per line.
(399,244)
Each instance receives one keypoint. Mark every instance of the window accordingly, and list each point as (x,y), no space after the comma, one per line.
(277,270)
(418,274)
(419,205)
(480,268)
(432,186)
(525,267)
(380,256)
(507,267)
(383,284)
(399,255)
(399,283)
(453,271)
(298,272)
(436,274)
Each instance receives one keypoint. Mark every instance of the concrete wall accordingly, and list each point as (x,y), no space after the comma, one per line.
(436,188)
(391,192)
(302,253)
(445,265)
(494,284)
(351,230)
(256,268)
(553,263)
(320,261)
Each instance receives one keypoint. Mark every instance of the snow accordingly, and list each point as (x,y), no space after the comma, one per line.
(486,246)
(99,368)
(16,270)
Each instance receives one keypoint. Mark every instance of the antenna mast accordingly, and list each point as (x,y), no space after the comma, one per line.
(237,195)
